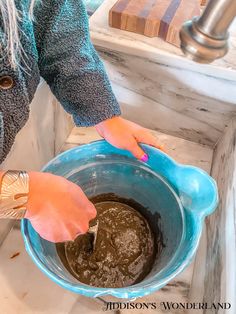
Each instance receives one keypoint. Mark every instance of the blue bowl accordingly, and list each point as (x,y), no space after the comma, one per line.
(181,195)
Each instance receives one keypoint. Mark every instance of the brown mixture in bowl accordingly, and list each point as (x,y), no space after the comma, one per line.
(124,252)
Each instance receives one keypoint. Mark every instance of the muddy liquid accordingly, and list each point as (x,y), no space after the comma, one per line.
(125,248)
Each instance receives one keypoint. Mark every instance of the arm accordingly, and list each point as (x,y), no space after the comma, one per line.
(70,64)
(72,68)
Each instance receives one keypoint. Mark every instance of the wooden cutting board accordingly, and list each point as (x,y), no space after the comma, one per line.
(153,18)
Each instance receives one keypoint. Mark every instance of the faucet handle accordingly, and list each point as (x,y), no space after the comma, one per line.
(199,47)
(205,38)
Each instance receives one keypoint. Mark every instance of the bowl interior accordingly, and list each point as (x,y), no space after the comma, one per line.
(130,179)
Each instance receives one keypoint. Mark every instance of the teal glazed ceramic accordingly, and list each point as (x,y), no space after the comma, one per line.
(182,195)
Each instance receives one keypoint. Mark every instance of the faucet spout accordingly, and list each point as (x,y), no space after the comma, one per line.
(205,38)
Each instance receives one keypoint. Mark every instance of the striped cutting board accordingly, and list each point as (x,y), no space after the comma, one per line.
(161,18)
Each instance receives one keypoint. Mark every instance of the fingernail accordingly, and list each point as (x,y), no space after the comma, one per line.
(144,158)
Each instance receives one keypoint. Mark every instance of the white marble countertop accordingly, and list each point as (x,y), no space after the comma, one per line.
(24,289)
(156,49)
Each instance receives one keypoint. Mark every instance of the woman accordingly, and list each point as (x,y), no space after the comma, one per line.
(50,38)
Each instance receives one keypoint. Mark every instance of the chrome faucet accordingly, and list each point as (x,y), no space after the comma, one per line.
(205,38)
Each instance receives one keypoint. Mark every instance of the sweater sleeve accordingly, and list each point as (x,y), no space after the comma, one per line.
(69,63)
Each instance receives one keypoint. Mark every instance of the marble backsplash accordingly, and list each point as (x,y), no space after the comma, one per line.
(175,101)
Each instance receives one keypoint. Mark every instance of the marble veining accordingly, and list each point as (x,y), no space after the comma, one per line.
(179,102)
(216,272)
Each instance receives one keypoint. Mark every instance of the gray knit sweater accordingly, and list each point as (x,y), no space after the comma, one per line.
(58,47)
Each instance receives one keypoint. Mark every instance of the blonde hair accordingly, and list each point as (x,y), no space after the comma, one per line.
(10,18)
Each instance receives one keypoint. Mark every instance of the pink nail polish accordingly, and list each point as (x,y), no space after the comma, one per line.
(144,158)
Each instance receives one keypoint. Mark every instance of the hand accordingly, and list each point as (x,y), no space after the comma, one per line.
(57,208)
(127,135)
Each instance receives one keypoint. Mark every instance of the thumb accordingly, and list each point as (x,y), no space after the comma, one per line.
(137,151)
